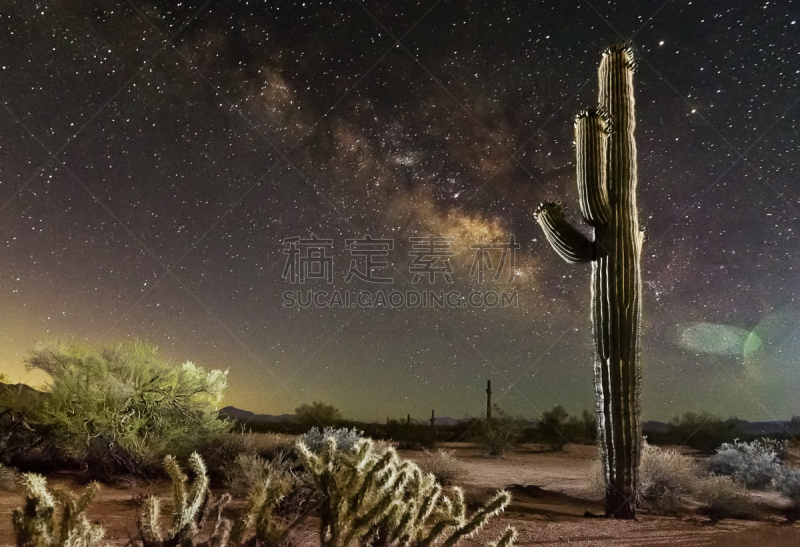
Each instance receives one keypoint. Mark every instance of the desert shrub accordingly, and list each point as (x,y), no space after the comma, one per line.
(318,414)
(382,446)
(753,464)
(551,428)
(443,465)
(345,439)
(788,483)
(40,524)
(249,469)
(8,478)
(412,436)
(498,435)
(666,479)
(19,437)
(596,486)
(245,471)
(220,452)
(584,429)
(722,498)
(702,431)
(377,500)
(121,409)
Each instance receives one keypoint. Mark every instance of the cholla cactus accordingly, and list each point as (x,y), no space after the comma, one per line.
(187,505)
(36,524)
(607,180)
(375,499)
(261,503)
(508,538)
(188,520)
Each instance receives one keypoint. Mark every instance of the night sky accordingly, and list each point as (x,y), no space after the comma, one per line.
(156,156)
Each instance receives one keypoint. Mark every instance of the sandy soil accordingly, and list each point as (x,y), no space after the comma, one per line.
(549,504)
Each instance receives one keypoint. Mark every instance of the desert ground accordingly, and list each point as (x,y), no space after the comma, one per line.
(552,505)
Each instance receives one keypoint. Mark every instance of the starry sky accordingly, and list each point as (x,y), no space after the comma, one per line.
(155,157)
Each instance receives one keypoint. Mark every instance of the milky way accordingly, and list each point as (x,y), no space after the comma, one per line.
(157,158)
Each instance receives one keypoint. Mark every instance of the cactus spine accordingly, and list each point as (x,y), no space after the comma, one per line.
(607,178)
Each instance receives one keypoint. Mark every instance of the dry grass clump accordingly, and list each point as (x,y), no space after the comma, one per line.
(443,465)
(8,478)
(788,484)
(670,481)
(667,478)
(721,497)
(249,469)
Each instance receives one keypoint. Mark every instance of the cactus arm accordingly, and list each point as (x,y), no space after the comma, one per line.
(492,508)
(198,494)
(592,127)
(508,539)
(149,527)
(569,243)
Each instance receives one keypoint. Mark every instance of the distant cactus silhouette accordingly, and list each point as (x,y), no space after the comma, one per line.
(488,400)
(37,524)
(607,179)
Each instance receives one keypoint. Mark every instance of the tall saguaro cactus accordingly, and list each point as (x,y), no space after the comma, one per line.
(606,161)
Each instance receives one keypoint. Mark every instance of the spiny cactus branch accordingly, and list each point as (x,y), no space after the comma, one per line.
(592,127)
(569,243)
(508,539)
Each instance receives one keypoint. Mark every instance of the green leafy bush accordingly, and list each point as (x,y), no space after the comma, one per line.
(121,409)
